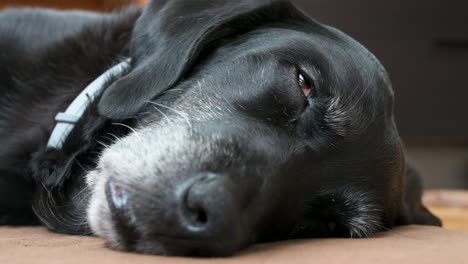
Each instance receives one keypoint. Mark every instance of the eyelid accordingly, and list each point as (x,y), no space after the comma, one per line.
(302,77)
(312,80)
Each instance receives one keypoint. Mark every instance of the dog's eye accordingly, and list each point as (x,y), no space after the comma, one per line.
(305,85)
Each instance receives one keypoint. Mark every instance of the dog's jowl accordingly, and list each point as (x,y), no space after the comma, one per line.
(197,128)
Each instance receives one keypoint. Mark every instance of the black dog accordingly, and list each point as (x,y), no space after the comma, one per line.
(235,122)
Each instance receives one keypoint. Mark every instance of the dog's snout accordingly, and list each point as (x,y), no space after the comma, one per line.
(207,205)
(194,206)
(208,214)
(206,219)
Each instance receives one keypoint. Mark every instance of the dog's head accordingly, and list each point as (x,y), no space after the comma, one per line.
(253,123)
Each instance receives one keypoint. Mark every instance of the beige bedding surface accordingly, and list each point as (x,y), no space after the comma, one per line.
(412,244)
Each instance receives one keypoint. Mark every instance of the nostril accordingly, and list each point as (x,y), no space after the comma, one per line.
(208,216)
(198,216)
(194,210)
(197,203)
(201,217)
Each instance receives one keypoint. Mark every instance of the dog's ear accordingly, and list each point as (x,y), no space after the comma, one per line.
(170,35)
(417,213)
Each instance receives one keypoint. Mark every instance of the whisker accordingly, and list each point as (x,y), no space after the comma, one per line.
(162,113)
(126,126)
(114,136)
(85,188)
(49,194)
(80,165)
(181,114)
(103,144)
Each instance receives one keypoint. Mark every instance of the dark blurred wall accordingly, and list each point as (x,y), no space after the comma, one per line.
(101,5)
(424,46)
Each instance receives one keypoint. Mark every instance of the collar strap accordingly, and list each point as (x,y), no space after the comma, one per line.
(67,120)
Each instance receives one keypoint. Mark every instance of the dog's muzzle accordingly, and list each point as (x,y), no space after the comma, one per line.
(205,220)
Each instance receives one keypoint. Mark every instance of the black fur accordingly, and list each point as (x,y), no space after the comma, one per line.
(46,82)
(346,166)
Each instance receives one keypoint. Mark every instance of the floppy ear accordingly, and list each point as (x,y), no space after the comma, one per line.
(417,213)
(170,35)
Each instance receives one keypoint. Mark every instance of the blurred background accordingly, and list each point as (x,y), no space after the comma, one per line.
(424,46)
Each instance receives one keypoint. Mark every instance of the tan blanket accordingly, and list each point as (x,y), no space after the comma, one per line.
(413,244)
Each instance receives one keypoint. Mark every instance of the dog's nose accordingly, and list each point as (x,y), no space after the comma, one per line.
(209,211)
(206,205)
(204,218)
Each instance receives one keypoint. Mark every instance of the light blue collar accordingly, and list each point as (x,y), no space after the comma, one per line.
(67,120)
